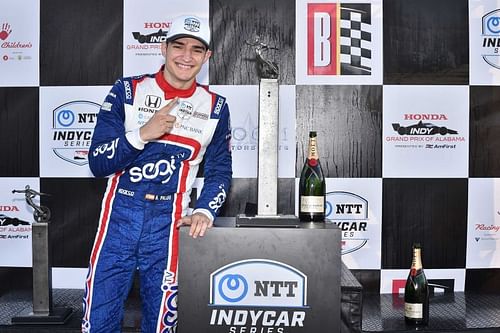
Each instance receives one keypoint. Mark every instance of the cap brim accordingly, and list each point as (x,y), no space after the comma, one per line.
(171,39)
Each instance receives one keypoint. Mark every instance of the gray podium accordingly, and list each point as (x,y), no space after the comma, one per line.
(260,280)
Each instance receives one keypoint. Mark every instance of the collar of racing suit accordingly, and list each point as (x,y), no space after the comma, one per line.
(171,92)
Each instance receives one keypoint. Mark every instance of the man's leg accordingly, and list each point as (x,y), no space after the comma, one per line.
(111,269)
(158,275)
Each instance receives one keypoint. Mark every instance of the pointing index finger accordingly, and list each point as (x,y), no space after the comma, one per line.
(169,107)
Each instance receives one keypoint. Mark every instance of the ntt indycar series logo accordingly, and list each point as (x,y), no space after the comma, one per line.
(349,212)
(257,296)
(491,38)
(72,128)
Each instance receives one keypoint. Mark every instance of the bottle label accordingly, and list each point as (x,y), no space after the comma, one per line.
(312,204)
(414,310)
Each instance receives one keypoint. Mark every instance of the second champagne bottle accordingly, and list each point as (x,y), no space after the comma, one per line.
(312,186)
(416,291)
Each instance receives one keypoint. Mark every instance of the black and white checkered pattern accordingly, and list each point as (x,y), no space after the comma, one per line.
(355,39)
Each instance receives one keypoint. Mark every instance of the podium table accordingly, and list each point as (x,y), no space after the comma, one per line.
(260,280)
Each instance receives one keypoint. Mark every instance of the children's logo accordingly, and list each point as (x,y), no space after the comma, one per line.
(6,31)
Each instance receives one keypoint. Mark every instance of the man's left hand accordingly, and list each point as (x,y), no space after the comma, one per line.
(199,223)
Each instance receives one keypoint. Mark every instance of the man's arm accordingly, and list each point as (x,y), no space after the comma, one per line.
(217,179)
(112,149)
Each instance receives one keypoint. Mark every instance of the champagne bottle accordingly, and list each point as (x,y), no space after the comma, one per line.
(416,291)
(312,186)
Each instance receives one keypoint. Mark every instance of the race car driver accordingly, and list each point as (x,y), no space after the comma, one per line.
(152,133)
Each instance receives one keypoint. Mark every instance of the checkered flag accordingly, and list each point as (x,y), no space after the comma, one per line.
(355,39)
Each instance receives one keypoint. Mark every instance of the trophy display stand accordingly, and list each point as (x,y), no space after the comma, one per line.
(267,178)
(43,312)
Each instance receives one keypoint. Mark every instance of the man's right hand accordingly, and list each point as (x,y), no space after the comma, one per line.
(160,123)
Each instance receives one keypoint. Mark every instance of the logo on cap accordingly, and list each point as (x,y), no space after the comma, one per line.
(192,24)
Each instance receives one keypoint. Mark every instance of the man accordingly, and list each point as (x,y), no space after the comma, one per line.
(152,133)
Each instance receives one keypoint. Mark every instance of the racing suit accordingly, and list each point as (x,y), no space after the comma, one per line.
(147,192)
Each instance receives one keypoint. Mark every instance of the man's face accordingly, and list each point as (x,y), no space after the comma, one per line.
(183,60)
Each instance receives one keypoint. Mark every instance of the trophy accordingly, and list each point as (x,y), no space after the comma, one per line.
(40,213)
(267,182)
(42,312)
(267,69)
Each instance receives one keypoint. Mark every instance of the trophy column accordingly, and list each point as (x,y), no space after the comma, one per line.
(267,203)
(267,182)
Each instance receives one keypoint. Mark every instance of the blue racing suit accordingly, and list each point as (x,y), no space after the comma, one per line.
(148,191)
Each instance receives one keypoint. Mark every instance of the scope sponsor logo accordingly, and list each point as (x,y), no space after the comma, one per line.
(219,199)
(346,53)
(258,283)
(161,169)
(349,212)
(490,32)
(108,148)
(72,129)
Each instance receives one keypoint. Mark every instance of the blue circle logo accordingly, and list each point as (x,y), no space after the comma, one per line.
(328,208)
(493,24)
(233,288)
(65,118)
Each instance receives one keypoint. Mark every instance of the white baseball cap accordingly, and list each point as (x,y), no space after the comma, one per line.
(189,26)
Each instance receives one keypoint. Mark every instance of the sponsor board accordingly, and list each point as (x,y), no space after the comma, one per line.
(483,230)
(73,127)
(425,131)
(484,37)
(19,43)
(68,116)
(16,218)
(144,31)
(355,206)
(257,295)
(342,42)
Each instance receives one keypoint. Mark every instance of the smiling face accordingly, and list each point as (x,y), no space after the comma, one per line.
(183,60)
